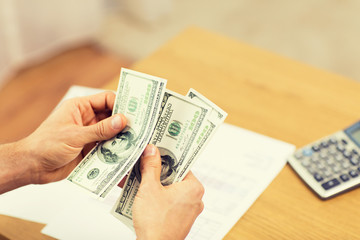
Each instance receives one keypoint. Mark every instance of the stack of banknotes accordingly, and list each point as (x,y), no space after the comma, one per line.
(180,126)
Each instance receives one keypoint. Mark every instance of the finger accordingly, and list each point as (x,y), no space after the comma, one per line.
(91,106)
(150,165)
(190,177)
(197,187)
(104,129)
(102,101)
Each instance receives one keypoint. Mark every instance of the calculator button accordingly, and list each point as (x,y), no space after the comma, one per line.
(353,173)
(324,144)
(306,162)
(315,148)
(323,155)
(314,158)
(318,177)
(345,177)
(340,148)
(355,152)
(330,184)
(321,166)
(312,169)
(347,154)
(332,150)
(307,152)
(336,169)
(354,160)
(298,155)
(327,173)
(338,157)
(344,141)
(332,141)
(345,164)
(330,161)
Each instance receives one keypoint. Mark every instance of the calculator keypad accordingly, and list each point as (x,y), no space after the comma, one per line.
(330,162)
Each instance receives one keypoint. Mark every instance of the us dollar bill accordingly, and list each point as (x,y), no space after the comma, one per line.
(139,97)
(175,133)
(215,117)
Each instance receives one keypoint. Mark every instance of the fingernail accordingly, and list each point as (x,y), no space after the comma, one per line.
(116,122)
(150,150)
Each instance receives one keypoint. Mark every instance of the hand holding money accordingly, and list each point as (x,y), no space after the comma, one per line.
(179,126)
(58,144)
(62,137)
(161,212)
(138,97)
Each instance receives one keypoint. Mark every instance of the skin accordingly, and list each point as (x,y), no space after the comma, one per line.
(164,212)
(52,151)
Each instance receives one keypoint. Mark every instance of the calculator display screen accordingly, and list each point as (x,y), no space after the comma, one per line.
(356,135)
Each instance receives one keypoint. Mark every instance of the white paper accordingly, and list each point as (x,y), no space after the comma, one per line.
(235,168)
(90,220)
(80,91)
(73,214)
(39,203)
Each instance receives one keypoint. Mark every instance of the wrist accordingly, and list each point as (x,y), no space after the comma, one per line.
(148,237)
(152,234)
(29,160)
(18,161)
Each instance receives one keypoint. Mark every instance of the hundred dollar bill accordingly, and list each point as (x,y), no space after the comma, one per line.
(174,135)
(215,117)
(139,97)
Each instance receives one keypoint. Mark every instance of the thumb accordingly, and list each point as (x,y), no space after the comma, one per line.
(105,129)
(150,165)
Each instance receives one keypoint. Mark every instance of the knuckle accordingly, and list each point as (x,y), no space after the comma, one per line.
(109,93)
(201,190)
(100,130)
(68,102)
(149,163)
(198,190)
(201,207)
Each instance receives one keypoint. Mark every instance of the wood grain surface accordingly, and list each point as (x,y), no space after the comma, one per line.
(277,97)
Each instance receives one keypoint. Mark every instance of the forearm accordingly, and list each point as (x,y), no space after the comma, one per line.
(16,166)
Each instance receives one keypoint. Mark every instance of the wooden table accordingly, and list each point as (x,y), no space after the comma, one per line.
(277,97)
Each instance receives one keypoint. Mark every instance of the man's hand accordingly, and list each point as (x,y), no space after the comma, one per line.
(62,140)
(164,212)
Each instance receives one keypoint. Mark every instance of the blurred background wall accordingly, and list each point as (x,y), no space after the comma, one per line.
(322,33)
(32,30)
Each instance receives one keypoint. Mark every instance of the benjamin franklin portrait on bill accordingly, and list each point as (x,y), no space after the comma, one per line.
(168,169)
(169,166)
(119,148)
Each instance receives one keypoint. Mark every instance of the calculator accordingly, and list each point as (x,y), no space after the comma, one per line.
(331,165)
